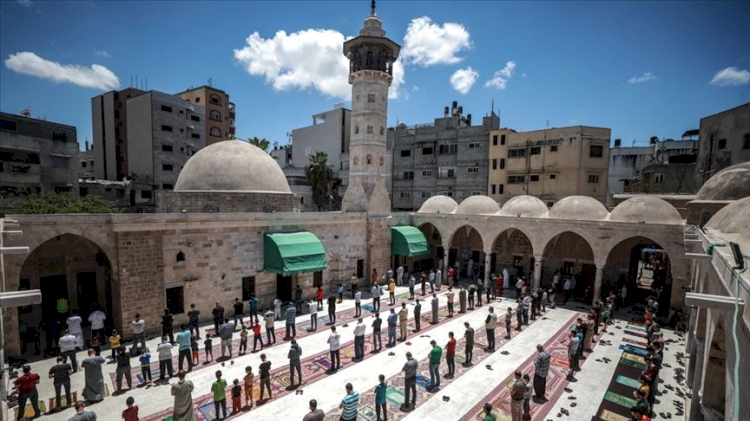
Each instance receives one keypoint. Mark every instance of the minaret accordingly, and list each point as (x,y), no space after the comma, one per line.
(371,56)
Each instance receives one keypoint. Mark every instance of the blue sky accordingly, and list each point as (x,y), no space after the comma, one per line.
(640,68)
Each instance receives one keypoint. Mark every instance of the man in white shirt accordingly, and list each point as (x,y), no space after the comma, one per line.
(359,340)
(277,309)
(438,279)
(139,331)
(375,297)
(165,358)
(400,275)
(74,327)
(97,318)
(358,303)
(67,345)
(334,346)
(314,315)
(269,318)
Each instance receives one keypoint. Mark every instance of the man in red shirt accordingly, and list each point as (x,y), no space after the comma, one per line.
(26,385)
(257,338)
(450,355)
(130,414)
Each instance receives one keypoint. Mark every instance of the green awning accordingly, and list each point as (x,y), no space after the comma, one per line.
(408,241)
(289,253)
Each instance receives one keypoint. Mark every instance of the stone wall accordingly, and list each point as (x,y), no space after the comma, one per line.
(141,281)
(226,202)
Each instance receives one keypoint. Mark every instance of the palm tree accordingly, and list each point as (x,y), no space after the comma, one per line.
(261,143)
(319,173)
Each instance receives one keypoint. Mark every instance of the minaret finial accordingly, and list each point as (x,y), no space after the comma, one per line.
(372,7)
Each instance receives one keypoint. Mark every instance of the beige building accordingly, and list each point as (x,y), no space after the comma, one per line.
(220,113)
(549,164)
(724,141)
(109,128)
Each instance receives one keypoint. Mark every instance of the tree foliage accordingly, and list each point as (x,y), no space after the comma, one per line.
(261,143)
(49,203)
(319,173)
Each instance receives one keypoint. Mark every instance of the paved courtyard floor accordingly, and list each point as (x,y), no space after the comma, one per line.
(601,391)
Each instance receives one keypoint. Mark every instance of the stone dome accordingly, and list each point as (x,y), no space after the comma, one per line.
(232,165)
(478,205)
(731,183)
(439,204)
(579,208)
(649,209)
(734,218)
(524,205)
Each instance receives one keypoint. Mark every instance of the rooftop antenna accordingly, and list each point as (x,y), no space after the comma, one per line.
(147,84)
(372,7)
(210,81)
(493,106)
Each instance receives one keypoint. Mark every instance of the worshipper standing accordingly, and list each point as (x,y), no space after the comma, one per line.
(468,344)
(253,309)
(488,415)
(291,316)
(412,281)
(380,404)
(541,368)
(423,280)
(331,310)
(294,354)
(377,340)
(123,369)
(358,304)
(60,373)
(243,341)
(518,390)
(145,359)
(438,279)
(27,391)
(239,309)
(461,299)
(183,342)
(183,399)
(249,379)
(319,297)
(166,325)
(74,327)
(236,396)
(519,315)
(165,358)
(573,345)
(270,318)
(265,377)
(298,299)
(392,320)
(93,389)
(589,336)
(277,309)
(391,292)
(340,292)
(400,275)
(434,309)
(349,404)
(315,414)
(436,354)
(193,316)
(375,291)
(219,390)
(67,345)
(432,280)
(450,355)
(131,413)
(226,331)
(314,315)
(359,340)
(480,291)
(97,318)
(208,348)
(139,327)
(81,414)
(527,397)
(218,314)
(489,324)
(451,295)
(508,319)
(334,346)
(258,338)
(403,316)
(472,290)
(410,382)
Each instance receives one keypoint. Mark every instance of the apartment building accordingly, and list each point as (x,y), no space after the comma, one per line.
(724,141)
(37,156)
(448,157)
(549,164)
(220,112)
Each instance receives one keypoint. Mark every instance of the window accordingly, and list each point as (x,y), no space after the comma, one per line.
(502,164)
(500,188)
(494,189)
(83,191)
(62,189)
(746,141)
(448,193)
(553,148)
(516,179)
(534,177)
(215,99)
(408,175)
(8,125)
(659,177)
(360,268)
(502,139)
(427,151)
(494,140)
(60,161)
(594,178)
(722,143)
(167,186)
(166,148)
(176,299)
(167,167)
(404,194)
(405,153)
(596,151)
(145,194)
(318,279)
(370,97)
(166,108)
(427,173)
(553,176)
(195,118)
(472,169)
(425,194)
(166,128)
(248,287)
(446,172)
(59,137)
(180,257)
(197,99)
(476,193)
(195,135)
(369,130)
(368,159)
(475,145)
(536,150)
(449,149)
(516,153)
(214,115)
(83,164)
(494,164)
(215,132)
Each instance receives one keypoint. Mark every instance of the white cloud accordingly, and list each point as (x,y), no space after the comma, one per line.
(648,76)
(101,53)
(731,76)
(463,79)
(96,76)
(429,44)
(501,77)
(310,58)
(25,3)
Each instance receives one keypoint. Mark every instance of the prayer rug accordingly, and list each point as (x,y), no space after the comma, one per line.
(423,381)
(627,362)
(633,342)
(367,413)
(633,350)
(635,358)
(606,415)
(395,396)
(627,381)
(636,328)
(29,412)
(63,399)
(323,362)
(619,399)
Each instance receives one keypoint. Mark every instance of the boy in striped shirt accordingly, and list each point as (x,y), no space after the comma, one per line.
(349,404)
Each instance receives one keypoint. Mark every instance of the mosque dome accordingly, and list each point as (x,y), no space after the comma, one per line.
(731,183)
(478,205)
(438,204)
(646,209)
(734,218)
(579,208)
(232,165)
(525,206)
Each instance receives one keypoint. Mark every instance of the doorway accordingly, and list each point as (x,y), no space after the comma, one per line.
(284,287)
(53,287)
(88,293)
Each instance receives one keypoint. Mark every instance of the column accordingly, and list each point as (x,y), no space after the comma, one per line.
(487,268)
(537,272)
(598,280)
(697,386)
(446,253)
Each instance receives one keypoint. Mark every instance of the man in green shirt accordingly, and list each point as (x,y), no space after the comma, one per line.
(435,354)
(488,415)
(218,388)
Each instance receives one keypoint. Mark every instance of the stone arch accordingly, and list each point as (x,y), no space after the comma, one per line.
(512,248)
(356,160)
(435,240)
(368,159)
(381,161)
(715,367)
(467,245)
(572,255)
(624,265)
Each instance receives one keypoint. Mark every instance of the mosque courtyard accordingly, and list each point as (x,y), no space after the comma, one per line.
(603,389)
